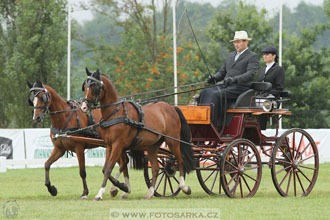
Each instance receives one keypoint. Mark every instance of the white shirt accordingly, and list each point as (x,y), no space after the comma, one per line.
(239,54)
(269,65)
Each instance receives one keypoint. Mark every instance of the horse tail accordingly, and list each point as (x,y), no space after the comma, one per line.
(138,159)
(186,149)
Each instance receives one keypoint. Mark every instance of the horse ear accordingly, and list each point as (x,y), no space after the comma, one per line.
(83,86)
(30,85)
(98,74)
(87,72)
(39,83)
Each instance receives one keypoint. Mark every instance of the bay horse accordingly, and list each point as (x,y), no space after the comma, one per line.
(126,125)
(66,116)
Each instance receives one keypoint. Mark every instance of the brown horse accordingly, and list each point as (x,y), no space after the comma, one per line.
(126,123)
(66,116)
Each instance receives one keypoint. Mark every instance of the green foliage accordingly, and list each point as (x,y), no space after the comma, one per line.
(34,45)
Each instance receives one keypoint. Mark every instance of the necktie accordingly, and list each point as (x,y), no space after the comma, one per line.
(237,55)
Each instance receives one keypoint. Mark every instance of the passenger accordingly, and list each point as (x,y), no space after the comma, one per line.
(237,72)
(272,72)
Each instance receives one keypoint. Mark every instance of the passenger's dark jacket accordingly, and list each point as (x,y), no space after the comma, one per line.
(276,76)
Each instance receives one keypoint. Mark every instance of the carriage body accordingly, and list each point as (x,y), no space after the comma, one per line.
(229,158)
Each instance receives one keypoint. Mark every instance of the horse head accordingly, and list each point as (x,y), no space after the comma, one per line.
(93,87)
(39,98)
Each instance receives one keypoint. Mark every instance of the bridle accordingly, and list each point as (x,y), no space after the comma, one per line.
(34,92)
(98,86)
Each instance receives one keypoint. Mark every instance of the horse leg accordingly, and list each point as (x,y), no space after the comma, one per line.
(123,168)
(175,149)
(82,170)
(56,153)
(109,164)
(152,156)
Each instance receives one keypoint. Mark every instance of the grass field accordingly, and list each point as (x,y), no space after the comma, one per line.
(26,186)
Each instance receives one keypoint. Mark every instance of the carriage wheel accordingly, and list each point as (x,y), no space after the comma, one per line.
(241,169)
(295,163)
(168,178)
(208,174)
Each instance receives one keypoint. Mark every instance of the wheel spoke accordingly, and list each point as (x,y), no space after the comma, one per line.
(301,185)
(235,186)
(234,171)
(231,151)
(239,154)
(207,178)
(283,161)
(246,183)
(164,189)
(176,180)
(286,175)
(300,143)
(249,160)
(240,187)
(310,168)
(294,183)
(215,179)
(250,177)
(251,168)
(307,158)
(288,186)
(160,181)
(293,145)
(285,154)
(304,175)
(282,169)
(227,161)
(232,178)
(170,184)
(303,150)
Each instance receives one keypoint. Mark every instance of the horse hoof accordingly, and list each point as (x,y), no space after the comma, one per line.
(124,196)
(186,190)
(114,192)
(147,197)
(98,198)
(83,197)
(52,190)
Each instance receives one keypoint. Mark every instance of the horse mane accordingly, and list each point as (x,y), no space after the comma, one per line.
(112,87)
(53,93)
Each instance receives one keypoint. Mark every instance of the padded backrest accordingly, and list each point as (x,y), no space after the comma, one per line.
(244,99)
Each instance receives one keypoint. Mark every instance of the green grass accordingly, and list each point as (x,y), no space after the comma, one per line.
(26,186)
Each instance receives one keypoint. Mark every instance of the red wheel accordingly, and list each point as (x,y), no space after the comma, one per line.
(295,163)
(241,169)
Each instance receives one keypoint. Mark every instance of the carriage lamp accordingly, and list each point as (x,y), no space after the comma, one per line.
(269,104)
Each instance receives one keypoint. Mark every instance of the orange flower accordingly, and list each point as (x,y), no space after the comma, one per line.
(117,58)
(170,69)
(189,45)
(184,76)
(117,70)
(150,80)
(136,91)
(196,73)
(197,57)
(178,72)
(162,38)
(188,57)
(121,62)
(134,82)
(155,64)
(179,97)
(154,70)
(148,85)
(128,84)
(170,48)
(166,54)
(131,51)
(161,53)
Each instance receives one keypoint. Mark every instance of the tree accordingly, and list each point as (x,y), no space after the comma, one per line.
(34,42)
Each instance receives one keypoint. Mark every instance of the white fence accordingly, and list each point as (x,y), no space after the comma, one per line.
(32,147)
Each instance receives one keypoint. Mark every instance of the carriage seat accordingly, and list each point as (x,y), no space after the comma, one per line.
(244,99)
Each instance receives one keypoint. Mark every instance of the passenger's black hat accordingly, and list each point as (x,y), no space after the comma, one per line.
(270,49)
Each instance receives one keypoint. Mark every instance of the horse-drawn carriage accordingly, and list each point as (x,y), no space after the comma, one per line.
(228,158)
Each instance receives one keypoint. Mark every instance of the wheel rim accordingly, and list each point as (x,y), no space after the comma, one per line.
(208,174)
(241,169)
(166,185)
(295,163)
